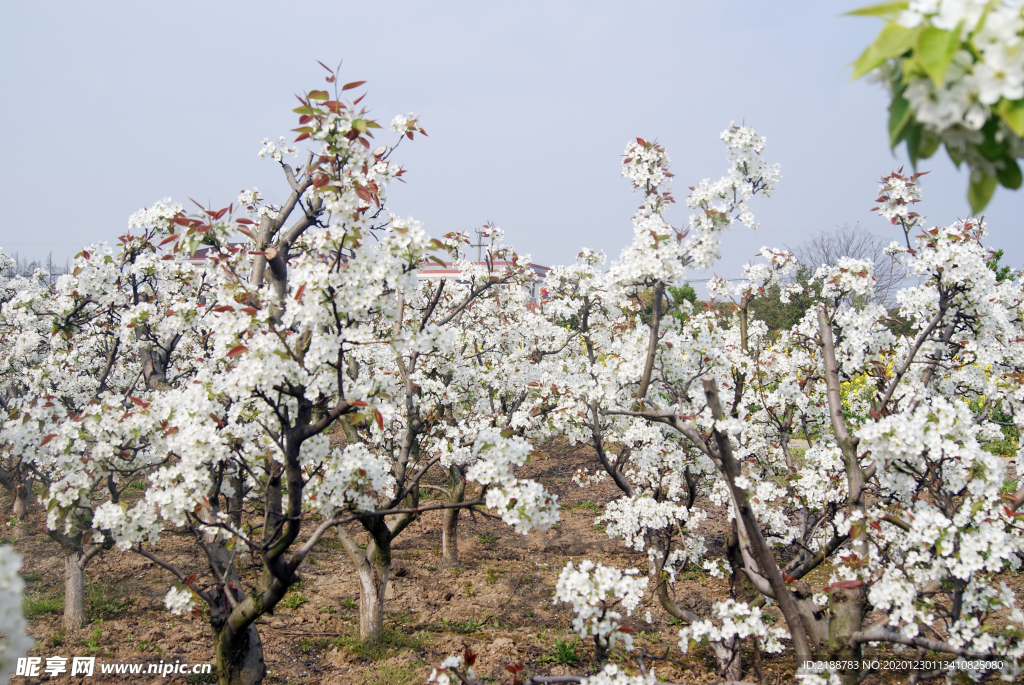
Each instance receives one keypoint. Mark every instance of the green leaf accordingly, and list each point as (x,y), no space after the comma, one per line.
(914,142)
(882,9)
(992,148)
(900,115)
(1012,112)
(980,191)
(892,41)
(1009,175)
(318,95)
(927,144)
(954,155)
(935,50)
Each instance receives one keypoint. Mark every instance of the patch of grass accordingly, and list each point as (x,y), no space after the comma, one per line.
(38,606)
(348,603)
(391,642)
(201,678)
(487,538)
(589,505)
(329,543)
(293,600)
(562,653)
(327,610)
(92,643)
(692,572)
(1007,447)
(470,592)
(469,627)
(138,485)
(493,574)
(770,619)
(57,639)
(102,605)
(31,577)
(1009,486)
(392,674)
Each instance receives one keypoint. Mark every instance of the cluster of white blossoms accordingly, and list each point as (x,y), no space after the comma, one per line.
(445,674)
(734,620)
(955,71)
(594,590)
(612,674)
(277,150)
(978,78)
(847,277)
(14,642)
(523,504)
(179,600)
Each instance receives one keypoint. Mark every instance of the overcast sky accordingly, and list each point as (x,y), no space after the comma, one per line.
(528,106)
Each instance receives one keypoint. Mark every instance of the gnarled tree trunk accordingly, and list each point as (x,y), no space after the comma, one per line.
(74,590)
(373,566)
(239,657)
(449,529)
(22,494)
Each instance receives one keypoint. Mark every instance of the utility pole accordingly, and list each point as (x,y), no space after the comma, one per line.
(479,244)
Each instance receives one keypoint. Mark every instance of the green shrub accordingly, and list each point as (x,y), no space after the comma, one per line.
(293,600)
(40,605)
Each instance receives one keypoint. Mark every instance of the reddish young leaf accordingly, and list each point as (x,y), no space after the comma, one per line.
(354,84)
(47,438)
(237,350)
(298,293)
(168,239)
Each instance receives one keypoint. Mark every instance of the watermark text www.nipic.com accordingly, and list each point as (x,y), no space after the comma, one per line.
(52,666)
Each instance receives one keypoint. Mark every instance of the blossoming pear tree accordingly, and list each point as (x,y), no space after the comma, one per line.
(894,495)
(23,344)
(67,366)
(593,383)
(955,73)
(246,362)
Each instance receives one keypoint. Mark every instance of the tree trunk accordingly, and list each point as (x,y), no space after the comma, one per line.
(727,654)
(239,660)
(22,493)
(449,529)
(74,591)
(373,583)
(846,617)
(740,587)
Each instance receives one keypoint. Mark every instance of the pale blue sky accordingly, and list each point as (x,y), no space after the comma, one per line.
(528,105)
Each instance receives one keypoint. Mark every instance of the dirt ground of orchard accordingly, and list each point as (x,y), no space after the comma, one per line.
(498,602)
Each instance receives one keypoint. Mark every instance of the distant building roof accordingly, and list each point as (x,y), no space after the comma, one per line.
(432,270)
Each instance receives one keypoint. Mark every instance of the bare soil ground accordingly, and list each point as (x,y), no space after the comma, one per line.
(498,602)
